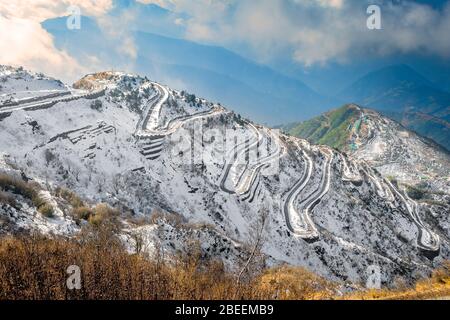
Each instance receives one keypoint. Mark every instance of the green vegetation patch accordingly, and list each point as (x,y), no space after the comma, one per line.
(331,128)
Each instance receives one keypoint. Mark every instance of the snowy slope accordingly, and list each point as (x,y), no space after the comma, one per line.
(386,145)
(397,151)
(145,148)
(18,85)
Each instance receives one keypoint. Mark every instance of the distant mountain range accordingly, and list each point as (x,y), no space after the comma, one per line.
(397,89)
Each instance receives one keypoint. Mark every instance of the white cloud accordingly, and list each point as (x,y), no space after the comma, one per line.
(118,28)
(26,43)
(316,31)
(39,10)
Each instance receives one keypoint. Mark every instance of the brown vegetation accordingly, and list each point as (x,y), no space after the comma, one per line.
(438,285)
(73,199)
(28,190)
(89,82)
(35,268)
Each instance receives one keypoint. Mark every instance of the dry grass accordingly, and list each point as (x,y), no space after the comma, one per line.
(35,268)
(73,199)
(296,283)
(438,285)
(103,213)
(28,190)
(47,210)
(89,81)
(17,186)
(82,213)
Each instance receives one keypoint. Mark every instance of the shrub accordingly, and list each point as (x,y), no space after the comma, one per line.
(83,213)
(38,201)
(17,186)
(172,219)
(109,272)
(103,214)
(49,156)
(74,200)
(28,190)
(97,105)
(416,193)
(46,210)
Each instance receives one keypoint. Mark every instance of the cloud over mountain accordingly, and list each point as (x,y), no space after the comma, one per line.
(317,31)
(307,32)
(26,43)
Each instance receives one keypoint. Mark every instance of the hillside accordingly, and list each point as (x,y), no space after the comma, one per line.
(331,128)
(175,168)
(435,128)
(406,96)
(386,145)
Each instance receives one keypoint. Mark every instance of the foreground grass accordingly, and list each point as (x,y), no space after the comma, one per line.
(35,268)
(437,286)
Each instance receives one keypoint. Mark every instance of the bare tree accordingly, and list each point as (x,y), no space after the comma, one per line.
(116,184)
(139,241)
(257,240)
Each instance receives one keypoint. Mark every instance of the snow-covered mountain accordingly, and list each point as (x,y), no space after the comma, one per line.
(20,86)
(397,151)
(149,150)
(385,144)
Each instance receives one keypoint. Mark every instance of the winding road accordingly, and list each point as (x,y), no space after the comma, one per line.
(152,122)
(382,189)
(427,240)
(292,216)
(349,175)
(49,101)
(238,151)
(248,176)
(149,130)
(299,222)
